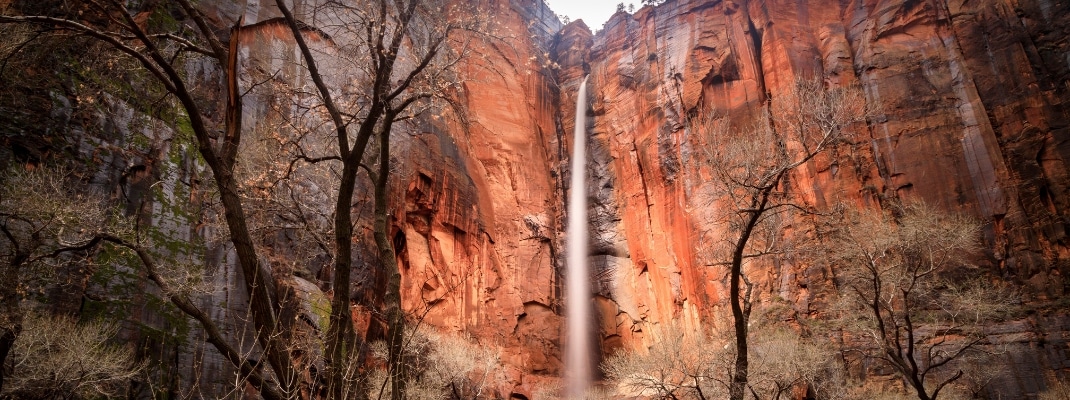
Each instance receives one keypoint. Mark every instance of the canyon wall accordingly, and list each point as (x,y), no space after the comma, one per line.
(972,117)
(972,113)
(476,209)
(973,103)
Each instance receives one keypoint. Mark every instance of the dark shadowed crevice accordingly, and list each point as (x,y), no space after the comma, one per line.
(756,41)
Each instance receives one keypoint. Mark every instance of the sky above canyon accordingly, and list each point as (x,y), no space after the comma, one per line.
(594,13)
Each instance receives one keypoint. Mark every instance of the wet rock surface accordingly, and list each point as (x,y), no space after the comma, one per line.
(975,118)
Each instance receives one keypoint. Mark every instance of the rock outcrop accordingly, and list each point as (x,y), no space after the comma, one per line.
(974,117)
(973,111)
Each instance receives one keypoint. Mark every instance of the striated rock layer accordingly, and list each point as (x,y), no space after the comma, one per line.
(476,207)
(975,118)
(974,112)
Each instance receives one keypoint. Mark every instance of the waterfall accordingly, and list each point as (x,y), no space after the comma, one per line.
(577,289)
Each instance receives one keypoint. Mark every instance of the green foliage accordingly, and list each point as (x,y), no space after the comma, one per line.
(321,306)
(162,21)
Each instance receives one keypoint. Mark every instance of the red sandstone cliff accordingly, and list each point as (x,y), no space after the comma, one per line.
(974,112)
(476,205)
(975,118)
(973,101)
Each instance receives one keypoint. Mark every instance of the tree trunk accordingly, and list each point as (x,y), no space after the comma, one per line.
(341,340)
(740,316)
(10,313)
(738,386)
(8,334)
(392,298)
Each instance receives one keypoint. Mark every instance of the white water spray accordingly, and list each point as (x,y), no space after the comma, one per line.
(577,290)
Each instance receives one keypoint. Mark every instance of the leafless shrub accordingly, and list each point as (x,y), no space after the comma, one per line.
(696,365)
(41,219)
(747,202)
(680,364)
(899,303)
(784,361)
(41,205)
(439,366)
(55,357)
(875,393)
(978,371)
(547,392)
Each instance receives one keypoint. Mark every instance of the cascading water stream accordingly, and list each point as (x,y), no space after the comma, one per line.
(577,359)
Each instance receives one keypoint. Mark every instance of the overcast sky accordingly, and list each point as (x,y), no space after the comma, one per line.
(593,12)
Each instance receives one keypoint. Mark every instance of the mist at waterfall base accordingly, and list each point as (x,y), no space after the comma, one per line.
(577,287)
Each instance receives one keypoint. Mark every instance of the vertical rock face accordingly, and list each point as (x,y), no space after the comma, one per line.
(476,209)
(973,117)
(973,101)
(480,212)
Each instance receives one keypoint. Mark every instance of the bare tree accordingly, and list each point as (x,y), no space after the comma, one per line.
(56,357)
(41,219)
(751,167)
(784,361)
(160,51)
(49,223)
(907,297)
(406,57)
(696,365)
(440,366)
(680,364)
